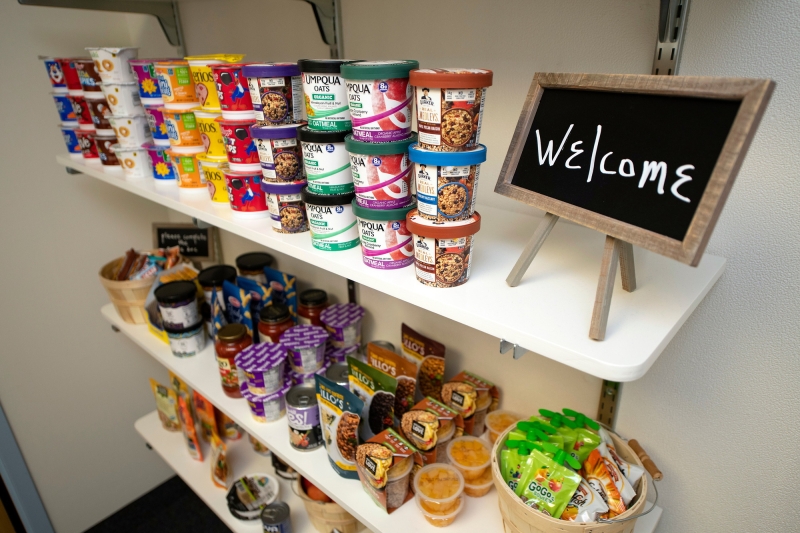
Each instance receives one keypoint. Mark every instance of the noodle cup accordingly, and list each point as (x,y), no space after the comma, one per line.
(112,63)
(210,132)
(205,86)
(108,158)
(276,92)
(244,193)
(55,74)
(71,77)
(88,76)
(176,85)
(182,130)
(88,147)
(306,347)
(66,113)
(147,81)
(215,178)
(266,407)
(279,153)
(443,252)
(69,132)
(263,367)
(286,207)
(157,125)
(160,163)
(187,171)
(82,113)
(100,112)
(132,132)
(381,172)
(239,146)
(234,97)
(134,161)
(123,98)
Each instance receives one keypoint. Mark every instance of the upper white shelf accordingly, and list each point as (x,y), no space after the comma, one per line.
(548,313)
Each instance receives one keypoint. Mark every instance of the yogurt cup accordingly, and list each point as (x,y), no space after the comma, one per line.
(123,98)
(381,172)
(449,107)
(325,94)
(276,92)
(210,132)
(112,63)
(380,99)
(215,178)
(88,76)
(88,147)
(147,81)
(132,132)
(157,124)
(55,74)
(232,91)
(159,162)
(442,252)
(107,156)
(100,111)
(244,193)
(239,146)
(309,378)
(306,345)
(269,407)
(263,366)
(81,109)
(343,323)
(446,182)
(331,221)
(69,132)
(66,112)
(184,135)
(279,153)
(71,77)
(187,342)
(386,242)
(326,161)
(286,208)
(205,86)
(188,173)
(176,85)
(134,161)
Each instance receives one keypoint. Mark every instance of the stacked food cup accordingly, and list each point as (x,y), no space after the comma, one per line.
(67,87)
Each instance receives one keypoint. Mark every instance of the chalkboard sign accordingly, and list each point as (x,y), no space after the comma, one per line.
(649,160)
(194,242)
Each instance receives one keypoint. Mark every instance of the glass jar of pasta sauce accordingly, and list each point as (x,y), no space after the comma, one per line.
(273,320)
(310,305)
(231,340)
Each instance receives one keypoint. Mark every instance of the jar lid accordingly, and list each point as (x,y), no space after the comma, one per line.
(384,214)
(270,70)
(451,230)
(274,314)
(374,70)
(341,315)
(254,261)
(327,199)
(305,336)
(390,148)
(447,159)
(323,66)
(261,357)
(176,291)
(451,78)
(312,297)
(232,332)
(307,135)
(283,188)
(274,132)
(213,276)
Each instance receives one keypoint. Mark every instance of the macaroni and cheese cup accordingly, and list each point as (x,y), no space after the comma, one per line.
(145,72)
(215,178)
(160,163)
(244,193)
(187,170)
(210,132)
(157,124)
(184,135)
(176,85)
(112,63)
(123,98)
(132,132)
(134,161)
(234,97)
(204,84)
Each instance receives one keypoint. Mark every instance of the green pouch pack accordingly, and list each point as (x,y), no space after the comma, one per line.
(564,427)
(586,431)
(514,461)
(548,485)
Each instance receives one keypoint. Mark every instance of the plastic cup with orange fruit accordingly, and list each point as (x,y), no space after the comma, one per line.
(437,489)
(471,456)
(498,421)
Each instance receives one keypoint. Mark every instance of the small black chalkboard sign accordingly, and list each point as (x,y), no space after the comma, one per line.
(194,242)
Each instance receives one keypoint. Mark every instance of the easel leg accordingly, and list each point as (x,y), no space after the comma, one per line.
(531,249)
(605,286)
(626,266)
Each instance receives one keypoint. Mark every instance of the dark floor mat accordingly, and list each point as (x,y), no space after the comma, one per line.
(171,507)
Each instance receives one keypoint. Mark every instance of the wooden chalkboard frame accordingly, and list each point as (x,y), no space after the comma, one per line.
(754,95)
(176,225)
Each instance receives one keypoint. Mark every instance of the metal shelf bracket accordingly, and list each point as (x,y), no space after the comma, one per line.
(505,346)
(672,18)
(329,21)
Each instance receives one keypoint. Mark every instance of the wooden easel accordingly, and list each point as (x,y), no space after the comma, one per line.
(615,250)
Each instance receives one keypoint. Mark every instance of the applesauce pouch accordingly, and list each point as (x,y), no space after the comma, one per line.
(219,462)
(548,486)
(586,442)
(515,461)
(596,473)
(428,355)
(586,505)
(559,422)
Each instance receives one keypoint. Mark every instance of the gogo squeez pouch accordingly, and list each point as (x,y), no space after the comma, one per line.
(547,485)
(284,289)
(260,297)
(377,391)
(237,303)
(515,460)
(340,415)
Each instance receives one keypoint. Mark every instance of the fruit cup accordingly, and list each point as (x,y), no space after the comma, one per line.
(470,455)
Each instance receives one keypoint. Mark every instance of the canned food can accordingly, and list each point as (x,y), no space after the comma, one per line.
(302,410)
(275,518)
(339,373)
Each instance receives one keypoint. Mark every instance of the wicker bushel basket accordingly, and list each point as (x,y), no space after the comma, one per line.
(327,517)
(127,296)
(519,518)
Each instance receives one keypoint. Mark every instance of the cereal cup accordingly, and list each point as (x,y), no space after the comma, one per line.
(498,421)
(343,323)
(306,345)
(279,153)
(210,132)
(184,135)
(385,240)
(176,85)
(263,365)
(449,107)
(134,161)
(244,193)
(239,146)
(442,252)
(438,488)
(69,132)
(107,156)
(234,98)
(331,221)
(204,83)
(123,98)
(269,407)
(215,178)
(276,92)
(157,125)
(55,73)
(381,172)
(88,146)
(145,72)
(66,113)
(471,456)
(286,208)
(380,99)
(326,161)
(325,94)
(132,132)
(87,73)
(100,111)
(160,163)
(82,113)
(187,170)
(112,63)
(446,182)
(71,77)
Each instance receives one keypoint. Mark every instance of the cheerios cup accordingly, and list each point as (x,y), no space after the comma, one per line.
(134,161)
(112,63)
(205,88)
(215,178)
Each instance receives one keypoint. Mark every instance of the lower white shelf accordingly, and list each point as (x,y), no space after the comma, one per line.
(202,374)
(241,460)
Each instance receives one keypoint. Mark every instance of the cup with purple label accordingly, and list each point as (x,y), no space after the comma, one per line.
(306,345)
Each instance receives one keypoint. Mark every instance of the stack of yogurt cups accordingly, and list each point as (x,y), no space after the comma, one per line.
(67,89)
(263,380)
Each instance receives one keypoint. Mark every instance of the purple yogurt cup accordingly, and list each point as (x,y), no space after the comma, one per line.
(262,365)
(268,407)
(343,322)
(306,346)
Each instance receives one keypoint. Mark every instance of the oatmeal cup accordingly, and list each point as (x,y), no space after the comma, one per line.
(326,161)
(325,94)
(443,252)
(286,208)
(276,92)
(446,182)
(381,172)
(279,153)
(331,221)
(386,242)
(450,107)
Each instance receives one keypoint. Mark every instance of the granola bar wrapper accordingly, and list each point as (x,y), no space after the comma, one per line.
(386,464)
(399,368)
(340,415)
(189,431)
(428,355)
(446,417)
(219,462)
(596,473)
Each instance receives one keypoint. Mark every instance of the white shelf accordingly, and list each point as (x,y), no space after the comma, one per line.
(202,374)
(242,460)
(548,313)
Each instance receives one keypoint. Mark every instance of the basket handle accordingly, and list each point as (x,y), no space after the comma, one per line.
(648,463)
